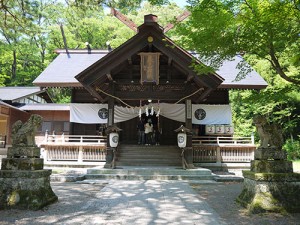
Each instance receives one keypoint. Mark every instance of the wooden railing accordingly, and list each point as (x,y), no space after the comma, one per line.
(223,149)
(75,139)
(74,148)
(216,140)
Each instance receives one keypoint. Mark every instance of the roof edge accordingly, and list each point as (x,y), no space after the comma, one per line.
(81,51)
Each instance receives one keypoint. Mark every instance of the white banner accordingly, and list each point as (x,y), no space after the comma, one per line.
(88,113)
(201,114)
(211,114)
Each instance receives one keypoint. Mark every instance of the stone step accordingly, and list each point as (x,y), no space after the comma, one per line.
(150,171)
(144,147)
(148,177)
(150,156)
(140,162)
(153,151)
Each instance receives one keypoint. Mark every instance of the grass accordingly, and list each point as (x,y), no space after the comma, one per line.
(296,166)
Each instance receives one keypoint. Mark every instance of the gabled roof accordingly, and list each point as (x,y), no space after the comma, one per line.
(55,76)
(10,106)
(62,70)
(229,72)
(16,93)
(89,65)
(149,28)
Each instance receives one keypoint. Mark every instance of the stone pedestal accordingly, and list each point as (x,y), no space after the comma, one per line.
(271,184)
(273,192)
(23,182)
(25,189)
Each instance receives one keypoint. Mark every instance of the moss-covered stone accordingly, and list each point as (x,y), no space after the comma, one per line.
(272,177)
(21,151)
(271,166)
(26,191)
(272,196)
(270,153)
(22,164)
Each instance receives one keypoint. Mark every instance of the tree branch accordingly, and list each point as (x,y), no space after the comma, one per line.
(276,65)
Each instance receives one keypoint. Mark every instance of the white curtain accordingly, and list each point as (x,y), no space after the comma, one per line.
(86,113)
(125,113)
(214,114)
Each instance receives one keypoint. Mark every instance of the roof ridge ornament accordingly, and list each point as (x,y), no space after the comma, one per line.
(148,19)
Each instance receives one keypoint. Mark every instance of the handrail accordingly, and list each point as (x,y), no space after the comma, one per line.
(220,140)
(74,139)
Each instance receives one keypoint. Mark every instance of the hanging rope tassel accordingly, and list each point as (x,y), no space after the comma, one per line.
(146,111)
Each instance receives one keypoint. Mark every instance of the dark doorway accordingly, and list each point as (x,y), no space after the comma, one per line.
(129,133)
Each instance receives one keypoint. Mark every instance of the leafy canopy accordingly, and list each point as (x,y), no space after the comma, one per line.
(268,29)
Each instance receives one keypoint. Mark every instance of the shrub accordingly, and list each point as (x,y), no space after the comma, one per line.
(293,149)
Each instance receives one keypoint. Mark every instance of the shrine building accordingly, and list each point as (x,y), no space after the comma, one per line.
(147,78)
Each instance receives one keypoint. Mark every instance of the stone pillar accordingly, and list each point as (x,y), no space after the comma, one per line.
(24,184)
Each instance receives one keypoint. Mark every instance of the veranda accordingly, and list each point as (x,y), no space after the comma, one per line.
(206,149)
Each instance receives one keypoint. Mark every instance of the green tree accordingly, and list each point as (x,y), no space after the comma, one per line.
(264,28)
(280,102)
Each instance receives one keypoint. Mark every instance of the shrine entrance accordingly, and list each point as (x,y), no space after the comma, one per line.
(167,136)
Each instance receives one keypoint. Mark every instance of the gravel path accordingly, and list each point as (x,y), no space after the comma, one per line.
(221,198)
(144,202)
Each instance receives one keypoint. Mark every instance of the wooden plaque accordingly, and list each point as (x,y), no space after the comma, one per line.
(150,67)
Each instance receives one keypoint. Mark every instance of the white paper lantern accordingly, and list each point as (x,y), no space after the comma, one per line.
(229,129)
(181,140)
(219,129)
(113,140)
(210,129)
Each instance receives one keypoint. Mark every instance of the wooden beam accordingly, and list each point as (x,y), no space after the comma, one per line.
(179,18)
(109,77)
(204,95)
(129,23)
(94,93)
(189,78)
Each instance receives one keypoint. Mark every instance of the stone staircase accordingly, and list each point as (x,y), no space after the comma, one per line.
(154,155)
(140,162)
(149,173)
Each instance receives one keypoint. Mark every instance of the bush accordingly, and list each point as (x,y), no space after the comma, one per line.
(293,149)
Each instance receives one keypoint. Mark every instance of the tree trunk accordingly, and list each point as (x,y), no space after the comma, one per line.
(14,66)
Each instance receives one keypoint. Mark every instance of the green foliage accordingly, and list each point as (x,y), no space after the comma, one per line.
(30,31)
(266,29)
(60,95)
(292,148)
(280,102)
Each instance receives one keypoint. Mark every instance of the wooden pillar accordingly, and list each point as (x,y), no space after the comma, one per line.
(110,122)
(188,153)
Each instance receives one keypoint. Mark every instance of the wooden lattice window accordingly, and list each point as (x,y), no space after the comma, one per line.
(150,67)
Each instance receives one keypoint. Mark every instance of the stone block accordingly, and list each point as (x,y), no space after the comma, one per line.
(271,166)
(22,164)
(22,151)
(270,154)
(272,192)
(25,189)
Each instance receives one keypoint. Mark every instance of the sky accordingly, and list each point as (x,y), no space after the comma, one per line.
(180,3)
